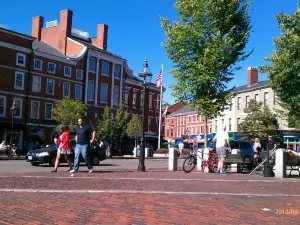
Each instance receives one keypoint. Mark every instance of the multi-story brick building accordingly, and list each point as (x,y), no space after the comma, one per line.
(59,61)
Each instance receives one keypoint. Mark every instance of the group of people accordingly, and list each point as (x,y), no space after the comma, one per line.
(85,135)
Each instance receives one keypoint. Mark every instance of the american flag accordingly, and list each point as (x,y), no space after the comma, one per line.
(159,79)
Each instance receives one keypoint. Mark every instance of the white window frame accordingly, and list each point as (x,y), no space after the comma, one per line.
(150,117)
(116,97)
(266,99)
(256,95)
(41,65)
(53,72)
(78,85)
(103,74)
(93,91)
(94,69)
(16,87)
(142,100)
(46,111)
(4,106)
(104,102)
(239,103)
(21,107)
(24,59)
(67,68)
(81,74)
(134,97)
(150,102)
(38,110)
(47,86)
(126,97)
(247,101)
(117,65)
(40,84)
(66,83)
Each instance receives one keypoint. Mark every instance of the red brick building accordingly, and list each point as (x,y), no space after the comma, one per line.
(185,122)
(59,61)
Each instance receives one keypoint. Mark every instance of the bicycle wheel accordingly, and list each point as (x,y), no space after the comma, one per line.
(189,164)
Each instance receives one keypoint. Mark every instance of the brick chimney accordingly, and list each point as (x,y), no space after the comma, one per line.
(37,25)
(101,40)
(252,76)
(65,27)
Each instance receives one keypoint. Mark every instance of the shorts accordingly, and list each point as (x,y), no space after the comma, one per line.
(221,152)
(65,151)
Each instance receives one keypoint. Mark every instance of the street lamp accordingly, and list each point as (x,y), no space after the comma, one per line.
(143,75)
(13,111)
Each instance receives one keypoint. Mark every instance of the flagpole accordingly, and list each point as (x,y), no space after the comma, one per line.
(160,105)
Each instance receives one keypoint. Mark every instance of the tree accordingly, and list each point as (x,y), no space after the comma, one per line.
(205,45)
(134,127)
(283,69)
(67,111)
(120,121)
(258,122)
(104,126)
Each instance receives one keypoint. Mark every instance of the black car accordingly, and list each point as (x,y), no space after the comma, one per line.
(48,155)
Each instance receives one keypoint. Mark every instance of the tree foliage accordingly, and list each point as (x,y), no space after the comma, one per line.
(284,65)
(259,122)
(120,121)
(205,44)
(134,127)
(67,111)
(104,125)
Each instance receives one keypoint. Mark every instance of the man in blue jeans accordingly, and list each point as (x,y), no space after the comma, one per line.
(85,135)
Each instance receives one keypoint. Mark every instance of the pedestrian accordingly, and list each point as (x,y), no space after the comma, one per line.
(180,146)
(85,135)
(64,148)
(221,139)
(256,150)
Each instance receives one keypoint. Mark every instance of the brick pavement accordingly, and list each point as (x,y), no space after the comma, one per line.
(192,200)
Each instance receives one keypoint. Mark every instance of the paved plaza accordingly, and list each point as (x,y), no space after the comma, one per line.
(116,194)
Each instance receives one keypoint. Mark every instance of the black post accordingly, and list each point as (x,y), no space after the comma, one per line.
(12,126)
(141,166)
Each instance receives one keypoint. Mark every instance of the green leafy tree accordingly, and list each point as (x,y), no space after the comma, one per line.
(283,66)
(258,122)
(104,125)
(205,44)
(120,121)
(134,127)
(67,111)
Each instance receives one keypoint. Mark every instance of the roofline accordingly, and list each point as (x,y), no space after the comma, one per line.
(28,37)
(252,89)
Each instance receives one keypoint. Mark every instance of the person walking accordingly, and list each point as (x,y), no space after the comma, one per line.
(256,150)
(85,135)
(221,139)
(181,146)
(64,146)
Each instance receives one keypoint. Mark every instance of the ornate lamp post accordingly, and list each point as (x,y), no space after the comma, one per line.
(13,111)
(143,75)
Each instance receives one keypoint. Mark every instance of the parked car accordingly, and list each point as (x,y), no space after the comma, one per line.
(245,147)
(48,155)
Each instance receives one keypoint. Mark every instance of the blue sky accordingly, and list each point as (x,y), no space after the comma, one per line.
(135,32)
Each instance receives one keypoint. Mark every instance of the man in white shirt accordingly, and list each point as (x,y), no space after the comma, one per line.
(221,139)
(181,146)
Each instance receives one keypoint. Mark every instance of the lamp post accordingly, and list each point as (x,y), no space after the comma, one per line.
(13,111)
(143,75)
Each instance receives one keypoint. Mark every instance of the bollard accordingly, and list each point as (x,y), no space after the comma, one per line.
(173,158)
(235,168)
(199,159)
(205,157)
(280,163)
(134,152)
(146,152)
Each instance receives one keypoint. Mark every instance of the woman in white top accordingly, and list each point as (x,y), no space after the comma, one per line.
(256,149)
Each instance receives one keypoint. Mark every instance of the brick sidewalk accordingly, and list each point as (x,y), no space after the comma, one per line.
(166,198)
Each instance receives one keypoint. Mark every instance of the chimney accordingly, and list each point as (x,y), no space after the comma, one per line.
(101,39)
(65,27)
(252,76)
(131,71)
(37,25)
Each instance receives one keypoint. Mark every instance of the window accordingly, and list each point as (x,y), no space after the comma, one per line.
(78,91)
(51,67)
(105,68)
(21,60)
(18,107)
(2,105)
(35,108)
(216,125)
(116,95)
(117,71)
(229,128)
(247,102)
(68,71)
(36,83)
(79,74)
(38,64)
(126,97)
(91,91)
(222,121)
(142,100)
(230,107)
(266,97)
(48,111)
(66,90)
(104,93)
(275,99)
(183,120)
(238,103)
(150,121)
(92,64)
(238,123)
(157,102)
(256,97)
(201,130)
(134,100)
(50,87)
(150,101)
(19,81)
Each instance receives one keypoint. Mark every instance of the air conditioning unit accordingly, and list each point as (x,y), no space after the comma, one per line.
(53,23)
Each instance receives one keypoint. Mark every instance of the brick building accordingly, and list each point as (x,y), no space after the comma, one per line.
(59,61)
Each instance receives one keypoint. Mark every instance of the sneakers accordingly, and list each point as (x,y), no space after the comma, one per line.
(91,170)
(218,171)
(73,171)
(223,173)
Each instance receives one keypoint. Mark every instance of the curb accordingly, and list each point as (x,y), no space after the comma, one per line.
(12,158)
(121,157)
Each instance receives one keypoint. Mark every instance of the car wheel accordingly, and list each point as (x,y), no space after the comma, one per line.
(96,160)
(35,164)
(247,159)
(52,161)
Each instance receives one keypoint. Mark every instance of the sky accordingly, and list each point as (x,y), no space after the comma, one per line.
(135,32)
